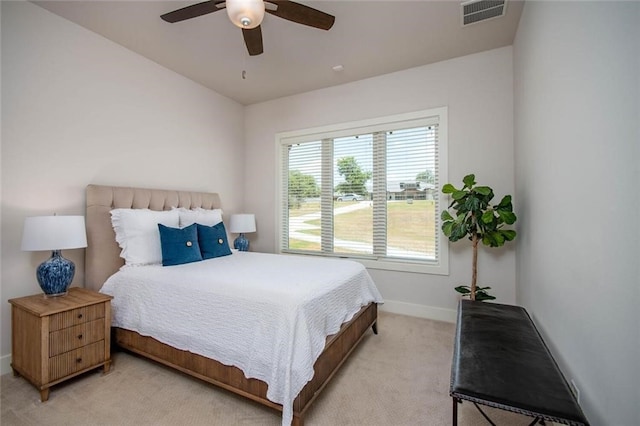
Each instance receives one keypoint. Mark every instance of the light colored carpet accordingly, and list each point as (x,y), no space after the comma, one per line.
(399,377)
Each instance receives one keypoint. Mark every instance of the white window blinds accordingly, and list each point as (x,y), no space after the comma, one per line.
(366,190)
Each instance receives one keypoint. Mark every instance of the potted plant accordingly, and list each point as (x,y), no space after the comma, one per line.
(474,217)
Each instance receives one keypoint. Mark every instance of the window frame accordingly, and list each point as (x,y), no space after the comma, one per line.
(416,118)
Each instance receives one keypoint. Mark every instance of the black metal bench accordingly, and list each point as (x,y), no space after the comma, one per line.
(501,361)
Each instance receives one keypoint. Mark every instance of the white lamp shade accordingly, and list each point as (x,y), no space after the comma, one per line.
(242,223)
(245,13)
(53,233)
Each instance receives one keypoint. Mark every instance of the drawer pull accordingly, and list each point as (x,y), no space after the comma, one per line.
(79,336)
(79,360)
(79,316)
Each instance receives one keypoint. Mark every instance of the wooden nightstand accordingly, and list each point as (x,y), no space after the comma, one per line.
(54,339)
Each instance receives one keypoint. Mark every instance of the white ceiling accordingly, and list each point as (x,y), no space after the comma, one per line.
(369,38)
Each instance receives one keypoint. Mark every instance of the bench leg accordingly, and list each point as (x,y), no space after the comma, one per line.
(454,421)
(484,415)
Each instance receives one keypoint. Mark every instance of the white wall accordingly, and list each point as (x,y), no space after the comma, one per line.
(577,133)
(79,109)
(478,90)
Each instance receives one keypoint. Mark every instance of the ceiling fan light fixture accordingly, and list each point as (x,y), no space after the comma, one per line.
(245,14)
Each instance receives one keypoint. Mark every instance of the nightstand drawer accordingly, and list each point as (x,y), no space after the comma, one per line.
(75,337)
(76,316)
(76,360)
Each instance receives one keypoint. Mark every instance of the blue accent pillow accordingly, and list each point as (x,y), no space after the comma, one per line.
(213,241)
(179,245)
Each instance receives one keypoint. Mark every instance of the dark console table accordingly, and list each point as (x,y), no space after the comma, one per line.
(501,361)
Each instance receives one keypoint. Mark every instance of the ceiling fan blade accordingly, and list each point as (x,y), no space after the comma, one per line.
(301,14)
(192,11)
(253,40)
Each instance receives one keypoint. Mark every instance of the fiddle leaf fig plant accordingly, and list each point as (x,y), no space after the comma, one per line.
(474,217)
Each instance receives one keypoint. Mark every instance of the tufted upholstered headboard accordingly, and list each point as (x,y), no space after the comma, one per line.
(102,258)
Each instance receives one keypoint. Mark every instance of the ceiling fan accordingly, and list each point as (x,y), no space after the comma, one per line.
(248,15)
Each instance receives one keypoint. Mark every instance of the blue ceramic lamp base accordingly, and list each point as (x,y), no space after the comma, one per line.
(241,243)
(55,275)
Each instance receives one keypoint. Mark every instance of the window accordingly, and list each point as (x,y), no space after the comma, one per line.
(367,190)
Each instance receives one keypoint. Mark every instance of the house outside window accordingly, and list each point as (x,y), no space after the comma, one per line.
(366,190)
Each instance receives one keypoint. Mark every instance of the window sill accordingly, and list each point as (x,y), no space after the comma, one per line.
(405,266)
(388,264)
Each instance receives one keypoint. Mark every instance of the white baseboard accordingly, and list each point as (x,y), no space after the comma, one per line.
(5,364)
(420,311)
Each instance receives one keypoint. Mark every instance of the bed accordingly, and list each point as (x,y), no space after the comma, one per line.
(103,261)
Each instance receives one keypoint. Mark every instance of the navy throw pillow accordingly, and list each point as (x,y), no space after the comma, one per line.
(179,245)
(213,241)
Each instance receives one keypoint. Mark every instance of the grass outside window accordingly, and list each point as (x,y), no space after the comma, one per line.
(409,225)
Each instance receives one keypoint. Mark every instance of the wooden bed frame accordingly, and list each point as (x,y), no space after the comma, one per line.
(103,259)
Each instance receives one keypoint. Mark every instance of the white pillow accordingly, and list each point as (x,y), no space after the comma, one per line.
(199,215)
(138,236)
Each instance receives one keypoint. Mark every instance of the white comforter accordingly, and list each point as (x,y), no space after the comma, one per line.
(266,314)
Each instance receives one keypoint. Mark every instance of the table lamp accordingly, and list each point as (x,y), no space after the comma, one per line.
(241,224)
(54,233)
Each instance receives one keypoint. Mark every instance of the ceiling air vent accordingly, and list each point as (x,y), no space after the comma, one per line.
(480,10)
